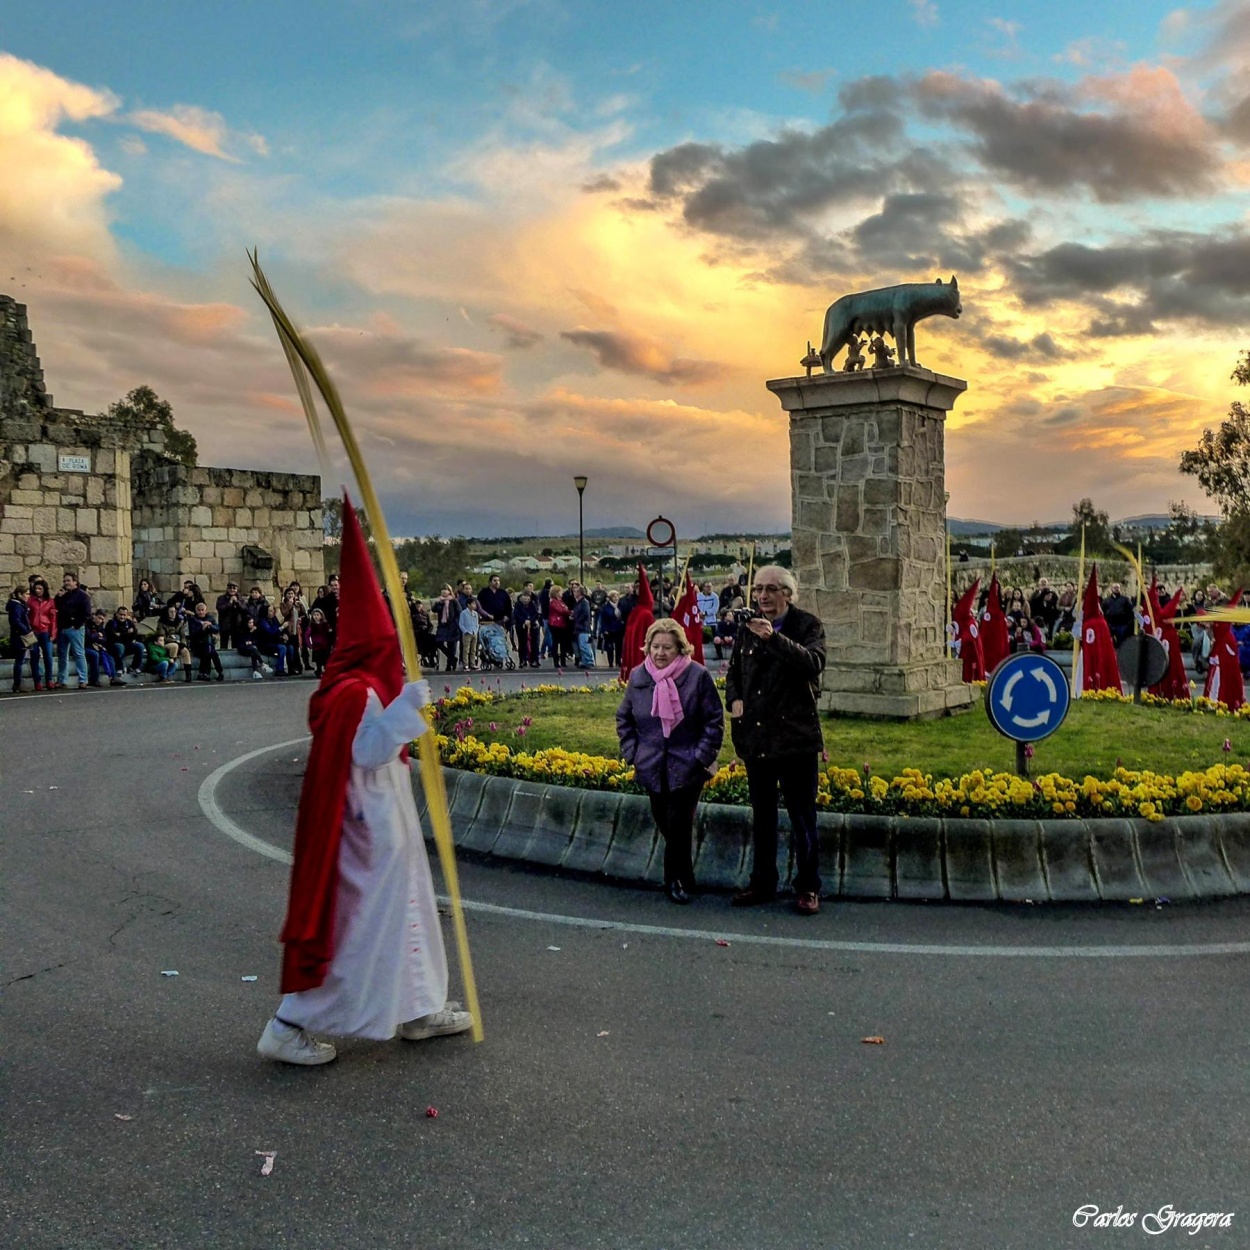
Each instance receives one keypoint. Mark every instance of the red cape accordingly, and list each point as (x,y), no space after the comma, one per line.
(1175,683)
(1225,683)
(365,657)
(995,643)
(1096,667)
(636,625)
(969,636)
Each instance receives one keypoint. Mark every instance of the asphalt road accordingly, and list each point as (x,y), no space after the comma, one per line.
(636,1088)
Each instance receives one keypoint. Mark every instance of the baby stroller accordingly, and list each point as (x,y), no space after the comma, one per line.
(492,645)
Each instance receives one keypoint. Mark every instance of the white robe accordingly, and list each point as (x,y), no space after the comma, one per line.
(389,962)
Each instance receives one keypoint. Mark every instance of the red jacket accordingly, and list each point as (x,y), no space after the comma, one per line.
(42,615)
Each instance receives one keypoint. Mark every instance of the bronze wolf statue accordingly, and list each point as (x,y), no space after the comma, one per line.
(890,310)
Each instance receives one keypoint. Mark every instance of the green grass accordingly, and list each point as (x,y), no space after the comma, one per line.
(1091,740)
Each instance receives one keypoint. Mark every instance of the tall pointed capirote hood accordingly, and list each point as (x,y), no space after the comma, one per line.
(1091,605)
(994,599)
(645,598)
(963,609)
(366,645)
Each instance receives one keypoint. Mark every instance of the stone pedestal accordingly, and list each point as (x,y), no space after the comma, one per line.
(868,491)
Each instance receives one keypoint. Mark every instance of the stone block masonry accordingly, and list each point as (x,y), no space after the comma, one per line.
(101,498)
(868,494)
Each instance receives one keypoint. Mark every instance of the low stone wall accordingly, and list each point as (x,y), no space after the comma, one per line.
(1023,571)
(594,831)
(198,523)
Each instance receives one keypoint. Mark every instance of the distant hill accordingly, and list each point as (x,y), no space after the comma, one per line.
(615,531)
(965,529)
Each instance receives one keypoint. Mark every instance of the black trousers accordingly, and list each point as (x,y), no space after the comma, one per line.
(673,811)
(208,660)
(796,775)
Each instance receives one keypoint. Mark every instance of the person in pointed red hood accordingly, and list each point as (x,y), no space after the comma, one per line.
(1096,666)
(1225,684)
(363,951)
(967,635)
(636,625)
(995,643)
(1175,683)
(691,619)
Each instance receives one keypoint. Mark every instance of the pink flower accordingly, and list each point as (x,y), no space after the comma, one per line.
(520,731)
(493,726)
(447,690)
(527,721)
(824,755)
(1028,750)
(867,768)
(1228,746)
(468,723)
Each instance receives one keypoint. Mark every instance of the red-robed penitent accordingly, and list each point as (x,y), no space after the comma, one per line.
(968,636)
(1096,667)
(1175,683)
(366,657)
(636,625)
(995,642)
(1225,683)
(688,616)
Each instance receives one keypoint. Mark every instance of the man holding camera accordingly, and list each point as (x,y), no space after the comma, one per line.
(771,689)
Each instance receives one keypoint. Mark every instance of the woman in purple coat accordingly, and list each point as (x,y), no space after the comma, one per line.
(671,723)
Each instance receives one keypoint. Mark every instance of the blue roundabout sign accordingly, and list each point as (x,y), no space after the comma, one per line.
(1027,697)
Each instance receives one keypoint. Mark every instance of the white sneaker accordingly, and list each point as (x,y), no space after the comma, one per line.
(287,1044)
(266,668)
(437,1024)
(258,676)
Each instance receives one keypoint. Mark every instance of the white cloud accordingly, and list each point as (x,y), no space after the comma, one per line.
(925,12)
(202,130)
(52,187)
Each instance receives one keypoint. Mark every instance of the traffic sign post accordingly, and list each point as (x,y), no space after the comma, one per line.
(1026,699)
(1143,661)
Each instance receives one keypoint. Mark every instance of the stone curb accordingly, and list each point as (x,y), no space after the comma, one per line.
(885,857)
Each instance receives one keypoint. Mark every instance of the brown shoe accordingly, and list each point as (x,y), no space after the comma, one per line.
(750,897)
(807,904)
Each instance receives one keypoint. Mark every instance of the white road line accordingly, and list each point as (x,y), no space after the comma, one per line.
(213,812)
(211,809)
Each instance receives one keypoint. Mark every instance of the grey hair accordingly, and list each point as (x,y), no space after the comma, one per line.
(783,577)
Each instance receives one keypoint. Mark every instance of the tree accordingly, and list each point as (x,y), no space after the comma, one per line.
(332,518)
(143,406)
(1221,463)
(1097,525)
(431,562)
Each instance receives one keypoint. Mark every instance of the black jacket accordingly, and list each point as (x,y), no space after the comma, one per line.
(73,608)
(778,682)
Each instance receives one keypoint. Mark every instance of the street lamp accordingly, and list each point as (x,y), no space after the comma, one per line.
(580,482)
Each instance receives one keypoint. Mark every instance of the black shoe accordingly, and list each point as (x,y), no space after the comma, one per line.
(116,681)
(221,677)
(203,677)
(677,892)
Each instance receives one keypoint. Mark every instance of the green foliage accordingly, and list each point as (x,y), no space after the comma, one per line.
(144,406)
(431,562)
(1221,463)
(1098,536)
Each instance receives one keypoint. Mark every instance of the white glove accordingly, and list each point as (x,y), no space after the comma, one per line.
(417,694)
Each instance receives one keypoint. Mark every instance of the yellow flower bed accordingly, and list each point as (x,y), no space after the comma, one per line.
(980,794)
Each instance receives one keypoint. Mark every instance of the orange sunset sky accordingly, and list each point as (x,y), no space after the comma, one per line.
(534,240)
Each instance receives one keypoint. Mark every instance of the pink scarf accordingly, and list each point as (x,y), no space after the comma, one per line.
(665,701)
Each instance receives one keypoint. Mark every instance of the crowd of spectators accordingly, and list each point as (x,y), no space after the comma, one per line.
(1037,618)
(460,630)
(161,635)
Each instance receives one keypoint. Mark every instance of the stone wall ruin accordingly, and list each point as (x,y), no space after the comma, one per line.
(102,498)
